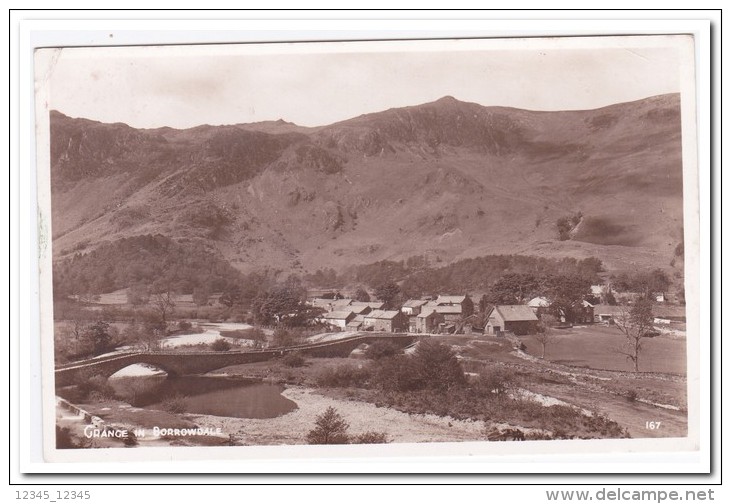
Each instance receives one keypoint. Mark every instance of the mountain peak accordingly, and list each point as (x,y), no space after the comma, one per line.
(447,100)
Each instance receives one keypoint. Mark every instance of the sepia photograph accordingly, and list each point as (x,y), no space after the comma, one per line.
(464,242)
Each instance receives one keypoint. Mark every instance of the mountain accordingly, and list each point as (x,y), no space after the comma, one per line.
(446,179)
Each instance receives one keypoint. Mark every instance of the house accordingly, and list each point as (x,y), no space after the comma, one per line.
(373,305)
(412,307)
(386,321)
(597,290)
(583,313)
(450,313)
(340,304)
(356,324)
(464,302)
(338,319)
(539,305)
(518,319)
(359,308)
(428,321)
(607,313)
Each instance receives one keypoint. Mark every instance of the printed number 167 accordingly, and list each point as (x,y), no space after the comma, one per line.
(652,425)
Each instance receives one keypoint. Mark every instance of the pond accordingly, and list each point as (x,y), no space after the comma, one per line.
(204,395)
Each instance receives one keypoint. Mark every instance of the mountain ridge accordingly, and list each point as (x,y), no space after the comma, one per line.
(450,179)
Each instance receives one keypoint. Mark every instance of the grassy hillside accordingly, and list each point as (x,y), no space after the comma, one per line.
(450,180)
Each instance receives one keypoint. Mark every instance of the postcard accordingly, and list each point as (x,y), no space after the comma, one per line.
(369,248)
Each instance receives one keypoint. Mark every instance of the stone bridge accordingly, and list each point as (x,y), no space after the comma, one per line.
(190,363)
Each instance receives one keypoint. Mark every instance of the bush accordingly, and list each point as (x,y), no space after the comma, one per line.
(397,373)
(96,388)
(381,349)
(343,376)
(496,381)
(221,345)
(175,404)
(293,359)
(330,428)
(437,366)
(371,437)
(184,325)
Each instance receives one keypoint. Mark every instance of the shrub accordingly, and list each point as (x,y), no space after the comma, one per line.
(496,381)
(96,388)
(221,345)
(381,349)
(184,325)
(64,439)
(343,376)
(630,395)
(397,373)
(330,428)
(293,359)
(371,437)
(437,366)
(175,404)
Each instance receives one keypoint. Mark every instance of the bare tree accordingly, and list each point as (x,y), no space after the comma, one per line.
(545,333)
(636,324)
(164,304)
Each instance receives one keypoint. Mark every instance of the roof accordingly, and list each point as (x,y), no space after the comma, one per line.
(426,313)
(339,303)
(449,309)
(603,309)
(359,308)
(358,318)
(383,315)
(516,313)
(450,299)
(414,303)
(539,302)
(338,315)
(376,305)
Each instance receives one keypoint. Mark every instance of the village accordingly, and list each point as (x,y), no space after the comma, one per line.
(456,314)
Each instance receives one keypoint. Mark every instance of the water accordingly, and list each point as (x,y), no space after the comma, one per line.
(205,396)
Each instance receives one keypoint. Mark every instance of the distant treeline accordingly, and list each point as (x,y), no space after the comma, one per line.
(418,277)
(184,267)
(156,261)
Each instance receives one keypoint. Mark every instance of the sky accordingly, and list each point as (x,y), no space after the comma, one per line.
(318,84)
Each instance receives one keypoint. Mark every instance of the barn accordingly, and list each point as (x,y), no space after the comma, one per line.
(518,319)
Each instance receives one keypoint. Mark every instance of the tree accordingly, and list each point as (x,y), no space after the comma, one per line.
(138,295)
(437,366)
(100,337)
(636,325)
(201,295)
(513,288)
(164,304)
(362,295)
(387,292)
(544,336)
(220,345)
(230,297)
(285,306)
(330,428)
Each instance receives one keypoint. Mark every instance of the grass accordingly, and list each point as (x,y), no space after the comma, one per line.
(596,347)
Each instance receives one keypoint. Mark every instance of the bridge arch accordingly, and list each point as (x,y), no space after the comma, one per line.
(148,370)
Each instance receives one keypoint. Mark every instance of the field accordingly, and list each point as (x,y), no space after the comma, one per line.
(596,347)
